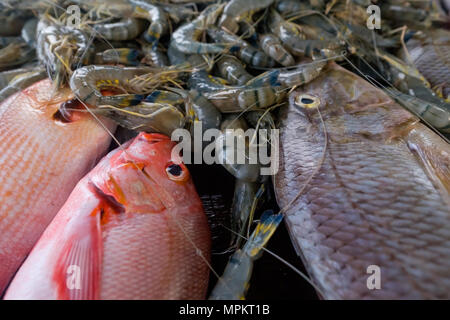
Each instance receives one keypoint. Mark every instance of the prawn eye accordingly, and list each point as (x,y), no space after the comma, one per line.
(177,172)
(307,101)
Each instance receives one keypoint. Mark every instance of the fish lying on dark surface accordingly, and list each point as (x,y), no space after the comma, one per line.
(377,186)
(133,228)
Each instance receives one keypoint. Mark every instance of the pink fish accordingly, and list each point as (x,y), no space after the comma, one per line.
(42,157)
(133,228)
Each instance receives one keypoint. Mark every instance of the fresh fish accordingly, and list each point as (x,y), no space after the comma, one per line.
(133,228)
(42,157)
(376,192)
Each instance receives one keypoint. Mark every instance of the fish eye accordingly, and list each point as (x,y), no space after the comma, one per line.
(307,101)
(177,172)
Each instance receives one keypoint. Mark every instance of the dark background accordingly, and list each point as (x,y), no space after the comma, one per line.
(271,278)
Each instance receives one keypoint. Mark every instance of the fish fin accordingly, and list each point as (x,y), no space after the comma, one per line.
(78,271)
(261,235)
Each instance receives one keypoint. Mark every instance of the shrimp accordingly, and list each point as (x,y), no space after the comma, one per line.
(317,4)
(21,81)
(233,70)
(159,24)
(360,33)
(241,208)
(236,9)
(199,109)
(165,97)
(154,56)
(203,82)
(247,28)
(346,11)
(405,14)
(272,46)
(125,29)
(204,111)
(146,116)
(407,78)
(302,74)
(246,168)
(241,48)
(13,21)
(190,1)
(175,56)
(230,99)
(178,13)
(14,52)
(60,49)
(297,43)
(435,115)
(245,98)
(260,119)
(287,7)
(185,38)
(30,4)
(429,52)
(87,83)
(28,32)
(126,56)
(235,280)
(157,77)
(7,76)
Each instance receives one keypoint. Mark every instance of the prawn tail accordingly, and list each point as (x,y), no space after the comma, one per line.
(234,283)
(262,233)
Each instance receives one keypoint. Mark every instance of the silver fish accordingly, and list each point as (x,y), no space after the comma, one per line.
(376,192)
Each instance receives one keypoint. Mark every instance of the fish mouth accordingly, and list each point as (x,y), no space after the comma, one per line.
(152,138)
(68,111)
(109,204)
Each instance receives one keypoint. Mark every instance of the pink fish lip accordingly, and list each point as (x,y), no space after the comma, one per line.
(152,138)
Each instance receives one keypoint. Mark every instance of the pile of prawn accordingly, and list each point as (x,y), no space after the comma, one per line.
(170,64)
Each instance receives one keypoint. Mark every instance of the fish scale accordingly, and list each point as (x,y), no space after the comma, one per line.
(372,202)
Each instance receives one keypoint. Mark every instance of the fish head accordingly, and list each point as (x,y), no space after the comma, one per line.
(348,107)
(60,106)
(144,177)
